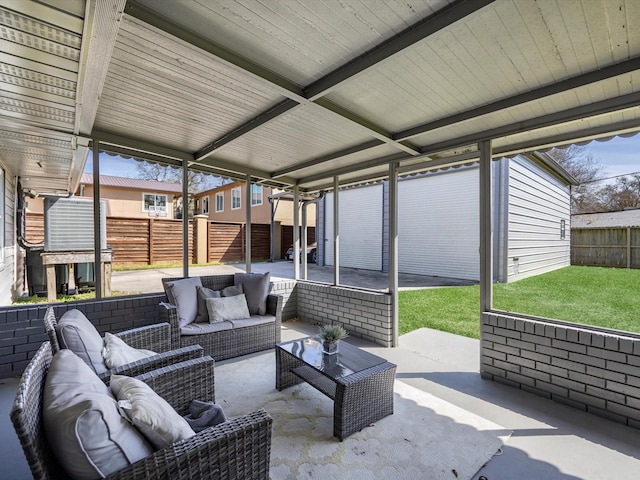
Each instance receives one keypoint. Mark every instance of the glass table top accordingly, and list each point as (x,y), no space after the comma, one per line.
(347,361)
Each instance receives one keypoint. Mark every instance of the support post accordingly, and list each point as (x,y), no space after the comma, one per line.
(486,230)
(97,247)
(296,232)
(336,232)
(247,230)
(393,250)
(272,231)
(185,219)
(304,241)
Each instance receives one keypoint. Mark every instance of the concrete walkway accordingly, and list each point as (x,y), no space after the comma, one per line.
(149,281)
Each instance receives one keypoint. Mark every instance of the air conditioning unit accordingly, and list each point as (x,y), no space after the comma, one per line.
(68,225)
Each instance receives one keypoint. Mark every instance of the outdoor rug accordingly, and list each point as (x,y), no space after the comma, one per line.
(425,438)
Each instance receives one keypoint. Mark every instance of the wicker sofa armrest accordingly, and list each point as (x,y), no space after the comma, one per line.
(155,337)
(168,313)
(183,382)
(160,360)
(239,448)
(274,307)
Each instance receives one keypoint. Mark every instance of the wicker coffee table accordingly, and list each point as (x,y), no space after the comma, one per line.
(359,383)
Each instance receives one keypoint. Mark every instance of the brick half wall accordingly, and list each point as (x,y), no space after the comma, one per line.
(286,288)
(22,327)
(364,314)
(596,371)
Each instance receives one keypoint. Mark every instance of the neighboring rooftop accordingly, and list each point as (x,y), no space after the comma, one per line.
(620,218)
(133,183)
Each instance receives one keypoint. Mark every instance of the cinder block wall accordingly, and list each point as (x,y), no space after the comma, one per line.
(596,371)
(22,328)
(365,314)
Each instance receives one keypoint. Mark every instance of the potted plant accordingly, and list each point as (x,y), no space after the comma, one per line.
(330,335)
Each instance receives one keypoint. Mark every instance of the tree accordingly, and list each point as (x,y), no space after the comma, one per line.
(197,181)
(625,193)
(580,163)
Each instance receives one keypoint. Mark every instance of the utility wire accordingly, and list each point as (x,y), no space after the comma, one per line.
(609,178)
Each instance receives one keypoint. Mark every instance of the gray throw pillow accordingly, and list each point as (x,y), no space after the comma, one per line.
(82,423)
(227,308)
(256,288)
(182,293)
(232,291)
(203,293)
(78,334)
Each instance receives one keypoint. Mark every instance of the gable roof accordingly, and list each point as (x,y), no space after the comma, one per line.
(299,92)
(133,183)
(620,218)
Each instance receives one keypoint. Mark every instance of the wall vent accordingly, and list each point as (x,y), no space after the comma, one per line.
(68,225)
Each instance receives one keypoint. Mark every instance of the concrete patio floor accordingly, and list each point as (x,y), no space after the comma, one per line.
(549,441)
(148,281)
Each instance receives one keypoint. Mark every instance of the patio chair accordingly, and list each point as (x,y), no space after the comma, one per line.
(238,448)
(152,337)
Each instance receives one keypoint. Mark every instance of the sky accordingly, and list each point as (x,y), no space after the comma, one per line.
(113,165)
(618,156)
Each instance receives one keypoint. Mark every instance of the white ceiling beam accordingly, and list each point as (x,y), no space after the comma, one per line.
(292,91)
(102,22)
(530,96)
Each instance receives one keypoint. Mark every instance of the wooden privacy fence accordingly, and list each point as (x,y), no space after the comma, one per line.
(155,241)
(606,247)
(227,242)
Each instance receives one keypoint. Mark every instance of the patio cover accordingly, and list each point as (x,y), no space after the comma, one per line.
(309,96)
(297,92)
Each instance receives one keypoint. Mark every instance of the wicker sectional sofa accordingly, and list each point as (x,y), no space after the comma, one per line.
(253,334)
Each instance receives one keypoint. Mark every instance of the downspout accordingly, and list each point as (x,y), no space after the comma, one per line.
(21,220)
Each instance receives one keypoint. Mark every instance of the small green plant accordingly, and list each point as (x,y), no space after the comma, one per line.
(333,333)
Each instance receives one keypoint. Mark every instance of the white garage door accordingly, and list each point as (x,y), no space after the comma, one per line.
(438,225)
(360,228)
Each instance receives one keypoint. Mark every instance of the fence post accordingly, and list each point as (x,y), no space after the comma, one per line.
(150,241)
(628,247)
(200,234)
(243,237)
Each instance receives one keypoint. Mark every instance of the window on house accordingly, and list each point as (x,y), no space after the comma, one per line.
(235,198)
(152,202)
(205,204)
(256,195)
(563,230)
(219,202)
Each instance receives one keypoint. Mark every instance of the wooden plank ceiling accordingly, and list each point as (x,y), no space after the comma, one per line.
(299,91)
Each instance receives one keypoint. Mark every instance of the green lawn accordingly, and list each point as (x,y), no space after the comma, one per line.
(603,297)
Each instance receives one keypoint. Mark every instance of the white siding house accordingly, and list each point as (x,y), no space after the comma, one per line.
(439,224)
(539,216)
(360,222)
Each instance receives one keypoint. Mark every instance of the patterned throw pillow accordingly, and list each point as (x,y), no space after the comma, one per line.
(227,308)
